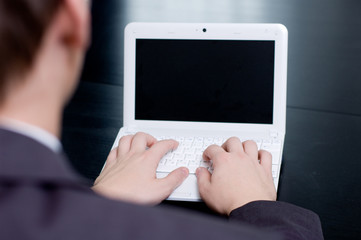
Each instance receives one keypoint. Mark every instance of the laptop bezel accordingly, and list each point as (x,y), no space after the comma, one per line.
(274,32)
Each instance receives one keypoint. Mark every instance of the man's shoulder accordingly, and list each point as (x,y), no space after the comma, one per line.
(14,143)
(40,191)
(24,159)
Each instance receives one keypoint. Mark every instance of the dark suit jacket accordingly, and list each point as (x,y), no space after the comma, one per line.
(42,198)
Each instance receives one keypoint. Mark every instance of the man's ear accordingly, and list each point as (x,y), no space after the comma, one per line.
(77,12)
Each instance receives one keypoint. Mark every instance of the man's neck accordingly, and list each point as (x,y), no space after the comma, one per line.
(32,108)
(37,98)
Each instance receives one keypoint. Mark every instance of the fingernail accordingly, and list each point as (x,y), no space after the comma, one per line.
(198,171)
(185,171)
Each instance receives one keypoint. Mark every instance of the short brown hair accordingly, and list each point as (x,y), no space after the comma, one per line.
(22,26)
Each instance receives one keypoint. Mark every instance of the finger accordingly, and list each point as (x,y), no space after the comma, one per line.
(251,149)
(111,159)
(124,144)
(159,149)
(233,144)
(173,180)
(141,141)
(204,182)
(212,152)
(266,161)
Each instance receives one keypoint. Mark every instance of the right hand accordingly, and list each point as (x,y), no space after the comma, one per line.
(130,171)
(241,174)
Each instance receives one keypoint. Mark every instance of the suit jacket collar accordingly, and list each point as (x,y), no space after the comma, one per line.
(22,158)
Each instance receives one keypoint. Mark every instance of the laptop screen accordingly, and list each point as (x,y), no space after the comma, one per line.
(228,81)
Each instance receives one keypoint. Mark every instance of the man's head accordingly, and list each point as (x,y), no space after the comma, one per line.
(28,27)
(22,26)
(42,45)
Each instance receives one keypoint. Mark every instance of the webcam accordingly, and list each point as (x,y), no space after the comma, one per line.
(204,30)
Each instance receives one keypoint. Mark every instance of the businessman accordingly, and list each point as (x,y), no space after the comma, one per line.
(42,46)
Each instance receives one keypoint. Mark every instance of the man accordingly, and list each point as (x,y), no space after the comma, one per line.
(42,45)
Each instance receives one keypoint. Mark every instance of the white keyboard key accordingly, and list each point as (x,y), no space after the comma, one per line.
(199,151)
(178,156)
(276,142)
(180,149)
(165,168)
(269,146)
(199,157)
(180,139)
(182,163)
(190,157)
(189,150)
(205,145)
(162,161)
(171,162)
(194,163)
(198,144)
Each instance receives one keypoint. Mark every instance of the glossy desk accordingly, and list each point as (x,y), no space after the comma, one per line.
(322,161)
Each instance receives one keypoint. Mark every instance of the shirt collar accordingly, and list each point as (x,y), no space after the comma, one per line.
(38,134)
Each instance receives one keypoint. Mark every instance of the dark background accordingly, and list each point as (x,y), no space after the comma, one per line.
(321,164)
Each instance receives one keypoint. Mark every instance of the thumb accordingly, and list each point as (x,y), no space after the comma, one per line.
(174,179)
(204,181)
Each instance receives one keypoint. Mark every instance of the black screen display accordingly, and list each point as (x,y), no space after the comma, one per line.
(205,80)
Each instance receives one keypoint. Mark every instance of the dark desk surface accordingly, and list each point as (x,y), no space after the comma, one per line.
(321,165)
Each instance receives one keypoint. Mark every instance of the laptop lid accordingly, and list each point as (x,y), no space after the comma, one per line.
(205,76)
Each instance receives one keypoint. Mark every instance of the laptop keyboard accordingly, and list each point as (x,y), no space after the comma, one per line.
(190,150)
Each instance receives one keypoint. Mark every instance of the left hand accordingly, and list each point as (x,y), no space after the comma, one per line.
(241,174)
(130,171)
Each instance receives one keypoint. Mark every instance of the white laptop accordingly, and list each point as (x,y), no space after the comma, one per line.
(203,83)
